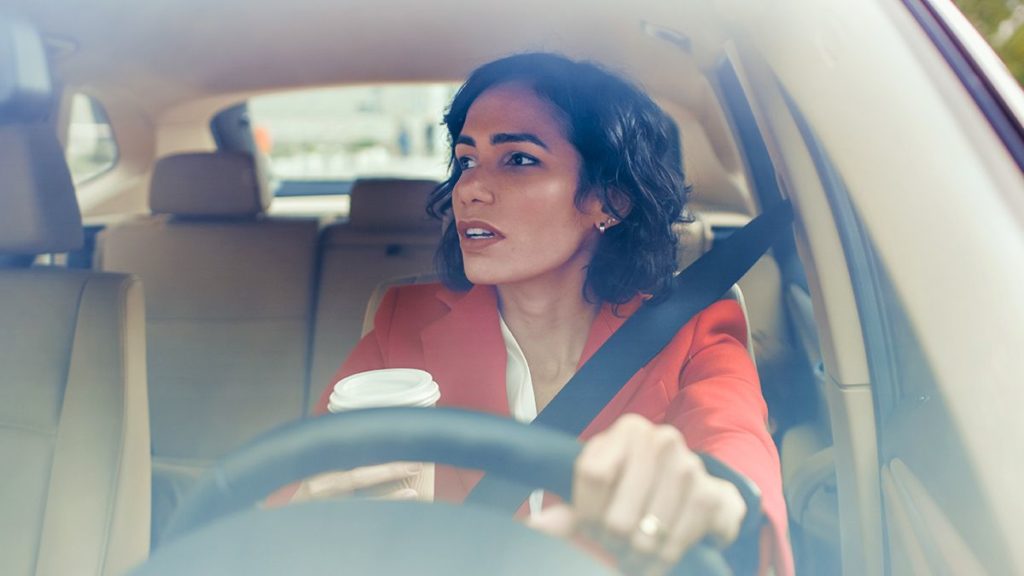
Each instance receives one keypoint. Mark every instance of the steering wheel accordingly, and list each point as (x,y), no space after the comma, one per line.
(218,530)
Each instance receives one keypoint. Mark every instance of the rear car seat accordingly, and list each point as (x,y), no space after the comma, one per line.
(229,301)
(388,234)
(74,425)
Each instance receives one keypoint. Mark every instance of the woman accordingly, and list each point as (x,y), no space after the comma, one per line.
(565,182)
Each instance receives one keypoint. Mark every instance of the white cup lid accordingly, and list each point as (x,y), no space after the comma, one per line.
(384,388)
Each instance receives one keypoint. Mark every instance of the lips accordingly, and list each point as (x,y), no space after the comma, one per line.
(477,234)
(478,230)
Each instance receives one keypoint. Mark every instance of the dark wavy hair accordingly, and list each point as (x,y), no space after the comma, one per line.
(630,151)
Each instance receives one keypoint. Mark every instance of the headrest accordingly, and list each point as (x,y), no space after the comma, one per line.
(26,91)
(208,184)
(38,208)
(695,238)
(393,205)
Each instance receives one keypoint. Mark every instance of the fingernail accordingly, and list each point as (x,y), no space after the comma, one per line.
(414,468)
(406,494)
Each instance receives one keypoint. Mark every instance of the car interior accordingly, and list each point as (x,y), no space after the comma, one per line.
(185,294)
(75,418)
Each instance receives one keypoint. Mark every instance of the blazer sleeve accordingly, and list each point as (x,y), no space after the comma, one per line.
(367,355)
(721,411)
(371,351)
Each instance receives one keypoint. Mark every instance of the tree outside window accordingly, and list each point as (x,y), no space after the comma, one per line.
(1001,22)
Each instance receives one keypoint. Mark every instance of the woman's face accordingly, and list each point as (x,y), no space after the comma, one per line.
(514,203)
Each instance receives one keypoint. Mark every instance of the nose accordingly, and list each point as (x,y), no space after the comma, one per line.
(472,187)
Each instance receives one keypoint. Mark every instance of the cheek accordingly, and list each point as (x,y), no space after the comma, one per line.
(557,227)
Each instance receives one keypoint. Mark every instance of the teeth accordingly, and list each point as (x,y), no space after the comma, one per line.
(479,233)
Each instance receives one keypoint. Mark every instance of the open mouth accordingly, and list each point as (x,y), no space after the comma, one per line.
(479,233)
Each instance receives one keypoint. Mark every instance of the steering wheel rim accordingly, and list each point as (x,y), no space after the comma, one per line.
(535,456)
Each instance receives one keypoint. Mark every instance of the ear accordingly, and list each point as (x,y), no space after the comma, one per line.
(619,205)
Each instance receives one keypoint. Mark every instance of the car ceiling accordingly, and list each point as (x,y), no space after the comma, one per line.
(182,60)
(169,51)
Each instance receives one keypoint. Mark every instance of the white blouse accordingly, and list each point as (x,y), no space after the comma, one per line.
(521,401)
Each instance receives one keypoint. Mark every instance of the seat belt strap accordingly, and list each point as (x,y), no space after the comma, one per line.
(641,338)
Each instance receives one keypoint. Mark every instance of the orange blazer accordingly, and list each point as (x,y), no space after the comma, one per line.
(704,383)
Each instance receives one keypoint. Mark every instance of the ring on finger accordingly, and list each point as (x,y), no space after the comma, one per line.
(652,527)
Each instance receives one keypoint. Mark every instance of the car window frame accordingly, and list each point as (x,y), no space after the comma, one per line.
(979,69)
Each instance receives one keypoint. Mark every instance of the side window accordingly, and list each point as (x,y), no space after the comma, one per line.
(1001,24)
(91,149)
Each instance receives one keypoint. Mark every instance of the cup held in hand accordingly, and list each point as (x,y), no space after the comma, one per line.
(390,387)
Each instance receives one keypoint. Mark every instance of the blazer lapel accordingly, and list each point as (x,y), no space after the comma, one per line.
(465,353)
(605,324)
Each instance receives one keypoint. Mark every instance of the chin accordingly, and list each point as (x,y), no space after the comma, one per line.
(489,276)
(484,279)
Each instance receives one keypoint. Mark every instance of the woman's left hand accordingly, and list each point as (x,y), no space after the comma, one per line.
(639,491)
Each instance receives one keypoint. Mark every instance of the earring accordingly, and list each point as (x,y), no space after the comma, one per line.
(601,227)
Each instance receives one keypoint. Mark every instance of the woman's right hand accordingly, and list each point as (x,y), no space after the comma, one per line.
(390,481)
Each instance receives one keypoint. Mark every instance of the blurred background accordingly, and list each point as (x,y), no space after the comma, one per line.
(1000,22)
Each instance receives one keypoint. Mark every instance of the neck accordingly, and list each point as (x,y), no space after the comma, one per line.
(551,321)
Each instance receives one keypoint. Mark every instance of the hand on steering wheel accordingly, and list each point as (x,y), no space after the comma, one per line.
(643,495)
(532,456)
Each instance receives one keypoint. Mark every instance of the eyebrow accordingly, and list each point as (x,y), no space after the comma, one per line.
(505,138)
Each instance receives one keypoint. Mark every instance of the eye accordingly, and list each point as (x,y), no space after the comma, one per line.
(520,159)
(466,162)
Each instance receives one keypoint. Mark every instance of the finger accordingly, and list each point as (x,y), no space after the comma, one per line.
(638,477)
(725,524)
(596,473)
(673,483)
(382,490)
(694,521)
(400,494)
(341,483)
(558,520)
(715,509)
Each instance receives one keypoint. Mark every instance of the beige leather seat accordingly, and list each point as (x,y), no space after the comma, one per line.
(229,303)
(74,428)
(388,234)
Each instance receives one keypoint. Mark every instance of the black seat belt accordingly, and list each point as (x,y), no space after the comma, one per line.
(641,338)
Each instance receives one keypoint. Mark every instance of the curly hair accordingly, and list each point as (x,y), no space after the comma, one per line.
(630,154)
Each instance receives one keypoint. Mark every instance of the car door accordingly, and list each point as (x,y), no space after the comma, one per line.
(902,152)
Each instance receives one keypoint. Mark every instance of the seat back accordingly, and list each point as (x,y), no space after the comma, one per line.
(388,235)
(74,429)
(229,301)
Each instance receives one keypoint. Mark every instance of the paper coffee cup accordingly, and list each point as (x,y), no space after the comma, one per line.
(387,388)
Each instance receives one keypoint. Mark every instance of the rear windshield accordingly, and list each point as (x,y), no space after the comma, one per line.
(334,134)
